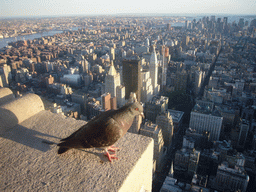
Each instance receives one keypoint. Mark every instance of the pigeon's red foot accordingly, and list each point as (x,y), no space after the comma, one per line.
(110,156)
(112,148)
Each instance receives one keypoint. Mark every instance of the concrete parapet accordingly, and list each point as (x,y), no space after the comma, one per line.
(6,95)
(29,164)
(19,110)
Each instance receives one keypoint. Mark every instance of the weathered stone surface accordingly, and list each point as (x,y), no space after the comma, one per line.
(28,164)
(19,110)
(6,95)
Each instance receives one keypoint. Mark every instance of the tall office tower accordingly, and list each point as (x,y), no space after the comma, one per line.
(105,101)
(165,54)
(151,130)
(85,66)
(32,67)
(147,88)
(153,68)
(185,40)
(212,18)
(88,78)
(112,54)
(147,42)
(164,121)
(5,72)
(132,78)
(120,96)
(156,106)
(181,80)
(186,24)
(193,162)
(244,128)
(241,22)
(112,80)
(205,118)
(113,103)
(225,21)
(253,23)
(168,26)
(225,25)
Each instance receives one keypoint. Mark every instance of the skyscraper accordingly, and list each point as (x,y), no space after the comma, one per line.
(225,21)
(165,56)
(241,22)
(181,80)
(112,54)
(164,121)
(105,101)
(120,96)
(112,81)
(5,71)
(147,88)
(153,68)
(156,106)
(151,130)
(212,18)
(132,78)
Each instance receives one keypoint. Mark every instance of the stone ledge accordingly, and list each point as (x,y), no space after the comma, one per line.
(18,110)
(28,164)
(6,95)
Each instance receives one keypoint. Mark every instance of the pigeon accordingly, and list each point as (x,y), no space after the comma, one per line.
(103,131)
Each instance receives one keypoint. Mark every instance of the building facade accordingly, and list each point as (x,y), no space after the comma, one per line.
(112,81)
(147,88)
(204,118)
(132,78)
(151,130)
(232,179)
(156,106)
(153,68)
(164,121)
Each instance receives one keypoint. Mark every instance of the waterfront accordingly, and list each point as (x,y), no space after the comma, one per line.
(4,42)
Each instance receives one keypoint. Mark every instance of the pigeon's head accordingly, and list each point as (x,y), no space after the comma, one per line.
(137,109)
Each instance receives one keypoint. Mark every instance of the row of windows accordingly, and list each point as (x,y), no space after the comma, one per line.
(206,123)
(230,182)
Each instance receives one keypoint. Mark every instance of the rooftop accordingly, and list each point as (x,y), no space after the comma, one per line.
(159,100)
(206,109)
(176,115)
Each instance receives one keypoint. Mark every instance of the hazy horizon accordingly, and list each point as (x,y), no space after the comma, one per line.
(58,8)
(131,15)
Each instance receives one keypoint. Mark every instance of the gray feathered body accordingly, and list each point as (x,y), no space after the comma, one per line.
(102,131)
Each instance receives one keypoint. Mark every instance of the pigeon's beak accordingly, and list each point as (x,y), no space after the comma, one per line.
(142,115)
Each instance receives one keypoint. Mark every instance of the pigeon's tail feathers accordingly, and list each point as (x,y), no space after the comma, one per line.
(62,150)
(69,137)
(62,147)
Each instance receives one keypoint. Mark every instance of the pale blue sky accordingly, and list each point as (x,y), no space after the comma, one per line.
(84,7)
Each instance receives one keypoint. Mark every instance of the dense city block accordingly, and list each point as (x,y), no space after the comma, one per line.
(195,77)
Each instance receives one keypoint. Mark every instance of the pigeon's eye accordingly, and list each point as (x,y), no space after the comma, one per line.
(137,109)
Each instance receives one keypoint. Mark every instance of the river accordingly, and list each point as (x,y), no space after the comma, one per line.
(4,42)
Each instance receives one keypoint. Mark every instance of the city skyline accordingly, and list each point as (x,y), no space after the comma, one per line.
(35,8)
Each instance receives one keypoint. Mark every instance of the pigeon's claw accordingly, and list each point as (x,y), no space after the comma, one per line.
(110,156)
(112,148)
